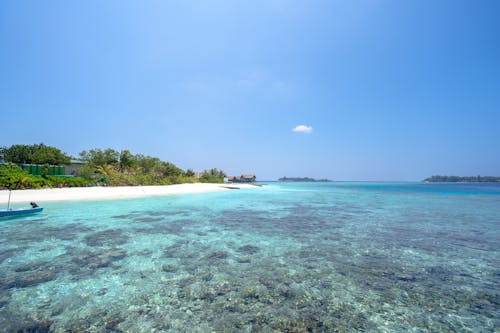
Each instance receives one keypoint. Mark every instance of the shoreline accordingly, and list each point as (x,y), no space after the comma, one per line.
(41,196)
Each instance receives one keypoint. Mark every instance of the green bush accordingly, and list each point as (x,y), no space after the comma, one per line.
(101,167)
(13,177)
(34,154)
(121,179)
(207,178)
(212,176)
(185,179)
(69,181)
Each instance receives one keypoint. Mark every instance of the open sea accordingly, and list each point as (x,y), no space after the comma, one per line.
(286,257)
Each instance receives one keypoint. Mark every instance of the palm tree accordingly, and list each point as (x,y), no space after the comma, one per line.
(105,170)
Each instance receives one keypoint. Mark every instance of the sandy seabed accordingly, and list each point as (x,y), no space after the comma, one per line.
(107,192)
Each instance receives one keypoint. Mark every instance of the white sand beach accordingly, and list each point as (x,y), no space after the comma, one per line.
(102,193)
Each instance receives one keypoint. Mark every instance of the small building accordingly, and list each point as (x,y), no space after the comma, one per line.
(233,179)
(241,179)
(247,178)
(73,167)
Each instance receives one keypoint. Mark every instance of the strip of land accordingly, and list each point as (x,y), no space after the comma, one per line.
(107,192)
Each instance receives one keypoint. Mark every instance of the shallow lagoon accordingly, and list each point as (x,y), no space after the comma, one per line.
(298,257)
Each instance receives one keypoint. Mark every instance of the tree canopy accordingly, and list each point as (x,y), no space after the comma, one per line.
(34,154)
(461,179)
(100,166)
(99,158)
(213,175)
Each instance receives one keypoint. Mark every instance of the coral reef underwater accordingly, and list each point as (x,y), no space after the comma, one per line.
(287,258)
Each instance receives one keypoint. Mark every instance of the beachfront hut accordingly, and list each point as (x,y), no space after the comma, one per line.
(241,179)
(247,178)
(233,179)
(73,168)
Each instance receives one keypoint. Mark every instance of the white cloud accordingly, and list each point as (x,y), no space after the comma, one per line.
(303,129)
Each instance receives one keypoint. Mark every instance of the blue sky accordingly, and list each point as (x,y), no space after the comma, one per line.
(393,90)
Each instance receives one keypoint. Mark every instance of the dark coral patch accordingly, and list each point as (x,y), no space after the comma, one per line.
(166,229)
(219,254)
(93,260)
(124,216)
(4,298)
(42,326)
(147,219)
(31,266)
(34,278)
(250,249)
(7,253)
(108,237)
(169,268)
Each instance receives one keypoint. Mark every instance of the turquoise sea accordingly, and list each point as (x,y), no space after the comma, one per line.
(287,257)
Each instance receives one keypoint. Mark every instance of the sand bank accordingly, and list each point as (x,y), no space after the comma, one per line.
(108,192)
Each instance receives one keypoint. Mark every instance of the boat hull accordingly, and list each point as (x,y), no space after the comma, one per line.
(19,212)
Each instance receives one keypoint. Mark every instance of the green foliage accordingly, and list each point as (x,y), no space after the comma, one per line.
(86,171)
(212,176)
(69,181)
(189,173)
(99,158)
(302,179)
(206,178)
(148,165)
(185,179)
(127,169)
(13,177)
(105,170)
(34,154)
(456,179)
(17,154)
(107,167)
(109,160)
(127,161)
(170,170)
(214,172)
(121,179)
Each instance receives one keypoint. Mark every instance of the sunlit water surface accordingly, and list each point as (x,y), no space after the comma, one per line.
(295,257)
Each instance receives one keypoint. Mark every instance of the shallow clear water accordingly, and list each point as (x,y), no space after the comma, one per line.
(295,257)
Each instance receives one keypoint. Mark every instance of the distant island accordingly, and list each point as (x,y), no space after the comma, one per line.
(458,179)
(302,179)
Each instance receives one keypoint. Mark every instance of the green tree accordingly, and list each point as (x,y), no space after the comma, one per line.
(149,165)
(214,172)
(17,154)
(34,154)
(100,158)
(127,161)
(170,170)
(214,175)
(105,170)
(13,177)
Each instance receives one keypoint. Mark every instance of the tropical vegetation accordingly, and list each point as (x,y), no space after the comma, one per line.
(34,154)
(456,179)
(302,179)
(98,167)
(13,177)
